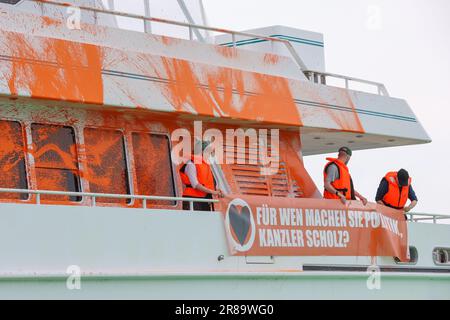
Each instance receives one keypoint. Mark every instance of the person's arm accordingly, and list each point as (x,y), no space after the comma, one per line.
(413,198)
(332,175)
(381,192)
(361,197)
(191,172)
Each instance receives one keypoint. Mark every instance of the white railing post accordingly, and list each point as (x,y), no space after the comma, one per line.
(233,38)
(191,205)
(38,198)
(147,24)
(111,5)
(94,201)
(145,203)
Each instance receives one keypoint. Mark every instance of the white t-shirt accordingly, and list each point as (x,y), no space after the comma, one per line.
(191,172)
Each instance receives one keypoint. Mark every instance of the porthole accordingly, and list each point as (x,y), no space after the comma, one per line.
(441,256)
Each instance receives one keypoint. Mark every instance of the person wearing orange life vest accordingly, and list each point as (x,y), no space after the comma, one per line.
(395,189)
(198,180)
(338,182)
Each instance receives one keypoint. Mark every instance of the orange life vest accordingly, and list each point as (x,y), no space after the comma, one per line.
(204,177)
(397,196)
(343,184)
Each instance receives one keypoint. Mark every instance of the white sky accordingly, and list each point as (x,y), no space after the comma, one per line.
(409,52)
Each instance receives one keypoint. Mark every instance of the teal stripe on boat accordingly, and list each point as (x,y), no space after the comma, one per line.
(281,37)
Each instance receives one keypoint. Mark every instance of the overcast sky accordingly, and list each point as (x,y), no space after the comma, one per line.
(406,47)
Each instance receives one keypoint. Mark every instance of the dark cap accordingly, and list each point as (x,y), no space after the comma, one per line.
(403,177)
(346,150)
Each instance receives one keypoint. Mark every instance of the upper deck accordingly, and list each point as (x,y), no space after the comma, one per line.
(96,65)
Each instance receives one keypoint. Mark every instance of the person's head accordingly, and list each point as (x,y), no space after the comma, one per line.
(200,146)
(403,177)
(345,154)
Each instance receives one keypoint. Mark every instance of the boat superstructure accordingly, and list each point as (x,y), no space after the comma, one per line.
(88,187)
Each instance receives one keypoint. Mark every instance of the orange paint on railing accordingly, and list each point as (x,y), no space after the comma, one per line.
(55,69)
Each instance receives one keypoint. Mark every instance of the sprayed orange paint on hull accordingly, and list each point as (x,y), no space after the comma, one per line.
(55,69)
(272,102)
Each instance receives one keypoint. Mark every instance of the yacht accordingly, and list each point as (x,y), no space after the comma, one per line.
(91,197)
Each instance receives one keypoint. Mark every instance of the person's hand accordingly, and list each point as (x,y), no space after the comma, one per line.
(218,193)
(363,200)
(407,209)
(343,199)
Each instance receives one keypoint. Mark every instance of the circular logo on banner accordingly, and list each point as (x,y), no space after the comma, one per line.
(240,225)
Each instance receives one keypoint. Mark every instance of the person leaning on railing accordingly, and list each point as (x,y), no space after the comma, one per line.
(394,191)
(338,182)
(198,180)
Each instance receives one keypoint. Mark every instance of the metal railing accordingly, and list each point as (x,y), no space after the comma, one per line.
(314,76)
(414,217)
(191,27)
(94,196)
(321,78)
(418,217)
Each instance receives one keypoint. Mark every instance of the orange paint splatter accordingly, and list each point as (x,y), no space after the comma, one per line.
(56,159)
(12,159)
(107,167)
(270,58)
(227,52)
(271,99)
(168,41)
(56,69)
(47,21)
(345,120)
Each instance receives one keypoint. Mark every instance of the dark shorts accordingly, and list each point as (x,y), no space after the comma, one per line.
(198,206)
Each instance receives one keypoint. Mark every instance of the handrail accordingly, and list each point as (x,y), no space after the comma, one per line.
(320,77)
(94,196)
(427,217)
(191,26)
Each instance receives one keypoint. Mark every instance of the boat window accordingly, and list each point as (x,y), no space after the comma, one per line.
(441,256)
(153,167)
(13,174)
(107,170)
(56,160)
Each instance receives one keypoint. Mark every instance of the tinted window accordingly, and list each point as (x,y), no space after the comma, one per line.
(13,173)
(153,165)
(56,160)
(107,165)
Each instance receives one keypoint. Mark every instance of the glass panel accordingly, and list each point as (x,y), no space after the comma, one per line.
(56,160)
(13,173)
(153,165)
(107,165)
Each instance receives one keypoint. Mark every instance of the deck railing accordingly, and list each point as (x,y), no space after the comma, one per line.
(413,217)
(95,196)
(321,78)
(427,217)
(314,76)
(191,27)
